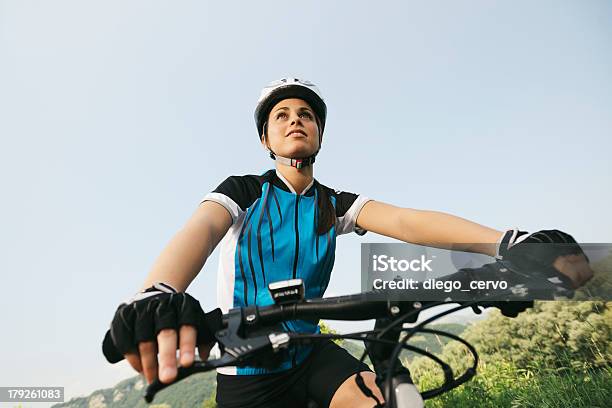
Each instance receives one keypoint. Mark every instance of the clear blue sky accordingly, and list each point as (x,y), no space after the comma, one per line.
(117,117)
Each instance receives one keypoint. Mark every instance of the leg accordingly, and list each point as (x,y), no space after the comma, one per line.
(350,395)
(331,379)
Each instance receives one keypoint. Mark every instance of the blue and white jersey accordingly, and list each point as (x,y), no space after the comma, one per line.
(272,238)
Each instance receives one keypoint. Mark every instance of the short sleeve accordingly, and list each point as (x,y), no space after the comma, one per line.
(236,194)
(348,206)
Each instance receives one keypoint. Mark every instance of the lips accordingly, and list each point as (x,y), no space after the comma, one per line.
(301,132)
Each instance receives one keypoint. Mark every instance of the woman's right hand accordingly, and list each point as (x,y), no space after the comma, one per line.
(157,322)
(145,359)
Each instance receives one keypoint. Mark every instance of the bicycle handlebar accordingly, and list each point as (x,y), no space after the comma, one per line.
(240,346)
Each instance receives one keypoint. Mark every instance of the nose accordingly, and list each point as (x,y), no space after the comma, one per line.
(295,118)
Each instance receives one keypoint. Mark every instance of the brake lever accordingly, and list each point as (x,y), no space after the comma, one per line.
(551,284)
(184,372)
(236,351)
(546,284)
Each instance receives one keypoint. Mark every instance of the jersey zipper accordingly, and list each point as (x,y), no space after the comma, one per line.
(295,259)
(297,236)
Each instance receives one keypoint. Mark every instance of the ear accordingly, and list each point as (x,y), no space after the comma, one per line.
(263,137)
(264,144)
(320,131)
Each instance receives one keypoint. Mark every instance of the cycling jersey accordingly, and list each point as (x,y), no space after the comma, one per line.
(273,237)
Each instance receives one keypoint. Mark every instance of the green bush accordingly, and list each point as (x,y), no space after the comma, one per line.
(556,355)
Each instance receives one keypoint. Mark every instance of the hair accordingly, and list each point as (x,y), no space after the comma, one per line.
(326,213)
(326,210)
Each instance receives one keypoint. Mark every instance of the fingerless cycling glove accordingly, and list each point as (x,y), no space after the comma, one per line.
(159,307)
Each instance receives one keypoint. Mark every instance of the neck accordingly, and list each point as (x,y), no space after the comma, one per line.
(298,178)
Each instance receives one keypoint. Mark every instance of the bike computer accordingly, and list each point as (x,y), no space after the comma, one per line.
(287,291)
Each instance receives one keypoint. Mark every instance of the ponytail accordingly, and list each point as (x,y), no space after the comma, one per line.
(325,210)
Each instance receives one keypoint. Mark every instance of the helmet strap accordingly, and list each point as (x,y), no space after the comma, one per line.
(297,163)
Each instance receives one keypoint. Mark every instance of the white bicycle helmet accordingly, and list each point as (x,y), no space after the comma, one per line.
(286,88)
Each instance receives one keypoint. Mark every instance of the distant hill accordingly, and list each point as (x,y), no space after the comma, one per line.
(191,392)
(198,389)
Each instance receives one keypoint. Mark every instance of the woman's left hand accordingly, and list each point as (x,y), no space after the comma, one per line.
(575,267)
(550,248)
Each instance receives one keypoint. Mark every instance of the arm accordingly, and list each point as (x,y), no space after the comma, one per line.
(430,228)
(185,255)
(447,231)
(178,265)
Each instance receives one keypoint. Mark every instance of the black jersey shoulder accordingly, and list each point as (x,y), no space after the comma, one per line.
(344,199)
(243,190)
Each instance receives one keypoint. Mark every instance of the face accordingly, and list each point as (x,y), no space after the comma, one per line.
(292,129)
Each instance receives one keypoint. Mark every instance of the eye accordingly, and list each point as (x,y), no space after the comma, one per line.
(306,115)
(281,115)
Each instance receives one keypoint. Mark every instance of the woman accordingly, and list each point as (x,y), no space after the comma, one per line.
(276,226)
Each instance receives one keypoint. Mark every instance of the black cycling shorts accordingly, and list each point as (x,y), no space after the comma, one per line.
(316,379)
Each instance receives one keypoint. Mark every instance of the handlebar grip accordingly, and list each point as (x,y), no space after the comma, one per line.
(110,351)
(153,389)
(156,386)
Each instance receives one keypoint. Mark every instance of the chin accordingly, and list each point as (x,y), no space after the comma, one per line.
(299,153)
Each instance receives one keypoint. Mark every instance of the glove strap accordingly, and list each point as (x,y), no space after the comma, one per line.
(510,238)
(156,289)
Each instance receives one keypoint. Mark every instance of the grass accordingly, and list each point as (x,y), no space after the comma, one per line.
(502,384)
